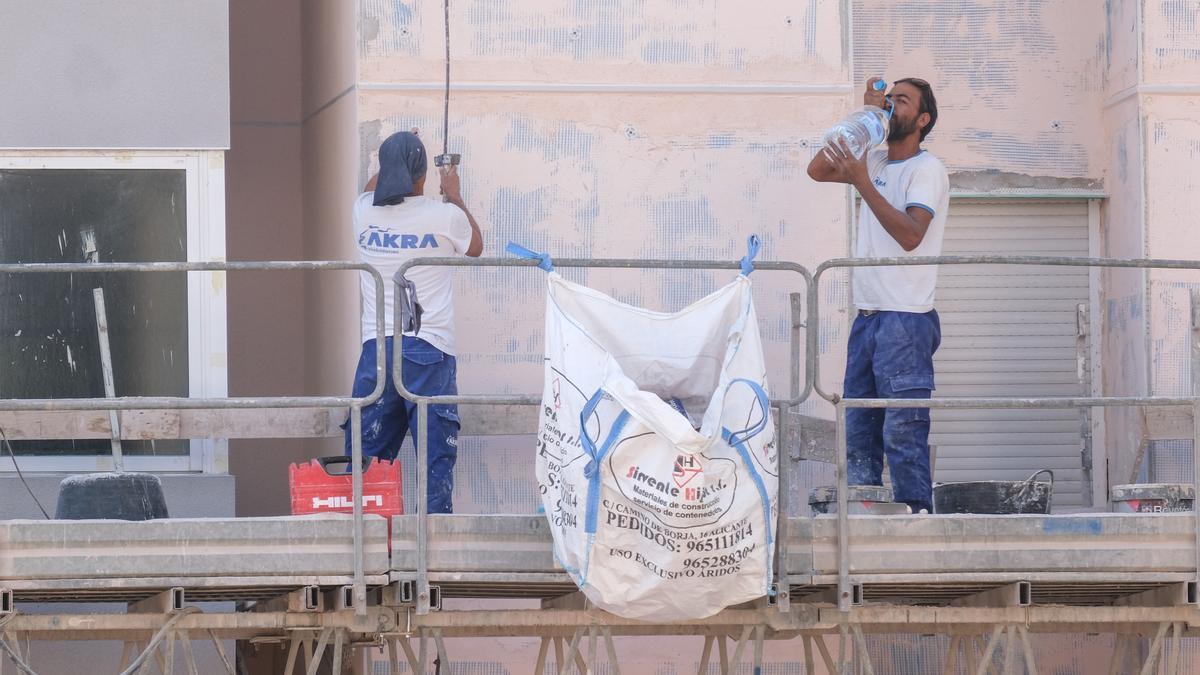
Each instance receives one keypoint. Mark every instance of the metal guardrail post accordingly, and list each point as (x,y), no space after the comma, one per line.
(1195,354)
(422,446)
(843,515)
(267,402)
(356,483)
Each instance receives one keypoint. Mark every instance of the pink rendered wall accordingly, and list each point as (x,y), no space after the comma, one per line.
(1019,85)
(615,129)
(1169,100)
(1123,226)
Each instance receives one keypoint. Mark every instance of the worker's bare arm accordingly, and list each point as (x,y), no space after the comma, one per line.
(822,170)
(907,227)
(452,191)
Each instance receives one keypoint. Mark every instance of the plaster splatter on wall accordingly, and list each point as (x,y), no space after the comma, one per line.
(988,60)
(609,184)
(392,26)
(1177,39)
(632,37)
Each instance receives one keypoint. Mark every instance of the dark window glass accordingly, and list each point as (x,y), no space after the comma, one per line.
(48,341)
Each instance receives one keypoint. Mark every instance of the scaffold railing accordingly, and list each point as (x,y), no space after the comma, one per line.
(257,402)
(845,584)
(1171,619)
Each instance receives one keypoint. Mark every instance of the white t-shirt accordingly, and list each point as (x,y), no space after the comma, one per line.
(919,181)
(389,236)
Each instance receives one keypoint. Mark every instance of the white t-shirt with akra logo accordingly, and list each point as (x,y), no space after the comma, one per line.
(919,181)
(389,236)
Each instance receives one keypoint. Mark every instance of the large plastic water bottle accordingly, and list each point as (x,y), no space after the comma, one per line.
(862,129)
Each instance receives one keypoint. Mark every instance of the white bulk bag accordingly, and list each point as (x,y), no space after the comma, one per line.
(652,518)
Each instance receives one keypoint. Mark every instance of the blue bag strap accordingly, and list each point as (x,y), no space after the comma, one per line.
(750,432)
(753,243)
(593,473)
(589,445)
(740,446)
(737,440)
(522,252)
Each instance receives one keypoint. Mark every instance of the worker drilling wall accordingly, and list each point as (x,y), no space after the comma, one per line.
(617,130)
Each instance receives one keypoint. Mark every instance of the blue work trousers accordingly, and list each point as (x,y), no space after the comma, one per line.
(427,371)
(890,355)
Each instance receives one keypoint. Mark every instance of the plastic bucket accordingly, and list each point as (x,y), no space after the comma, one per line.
(995,496)
(1153,498)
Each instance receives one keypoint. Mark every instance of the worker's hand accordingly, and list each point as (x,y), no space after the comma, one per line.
(450,184)
(847,168)
(872,97)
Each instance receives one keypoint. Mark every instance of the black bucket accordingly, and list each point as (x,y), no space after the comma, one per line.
(995,496)
(116,496)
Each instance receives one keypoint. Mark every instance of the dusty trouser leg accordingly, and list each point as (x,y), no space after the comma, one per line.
(904,370)
(906,444)
(384,422)
(443,452)
(864,426)
(431,372)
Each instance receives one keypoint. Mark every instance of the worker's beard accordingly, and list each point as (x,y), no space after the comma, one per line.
(901,128)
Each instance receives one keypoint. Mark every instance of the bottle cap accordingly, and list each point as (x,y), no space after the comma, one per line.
(880,85)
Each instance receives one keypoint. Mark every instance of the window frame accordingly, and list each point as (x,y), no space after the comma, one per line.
(204,172)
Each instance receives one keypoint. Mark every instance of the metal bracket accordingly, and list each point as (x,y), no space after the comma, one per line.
(830,595)
(341,598)
(405,592)
(306,599)
(166,602)
(779,598)
(400,593)
(448,159)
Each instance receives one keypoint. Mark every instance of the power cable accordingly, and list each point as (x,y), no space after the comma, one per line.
(21,475)
(446,98)
(446,158)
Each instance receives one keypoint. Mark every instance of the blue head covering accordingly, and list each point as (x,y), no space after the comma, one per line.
(402,161)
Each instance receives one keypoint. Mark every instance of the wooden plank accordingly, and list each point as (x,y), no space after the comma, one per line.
(816,435)
(477,420)
(166,424)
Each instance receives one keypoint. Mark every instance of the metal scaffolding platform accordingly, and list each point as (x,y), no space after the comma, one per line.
(958,575)
(334,582)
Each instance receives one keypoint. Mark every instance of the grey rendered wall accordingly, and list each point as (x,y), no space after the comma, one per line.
(114,74)
(188,495)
